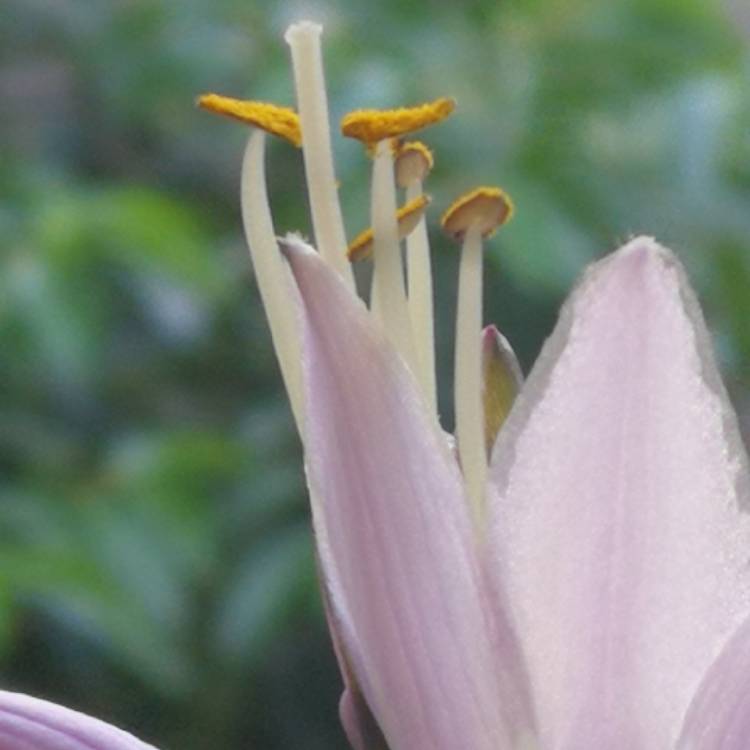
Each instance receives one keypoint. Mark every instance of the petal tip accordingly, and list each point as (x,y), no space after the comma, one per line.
(644,249)
(633,269)
(489,335)
(294,246)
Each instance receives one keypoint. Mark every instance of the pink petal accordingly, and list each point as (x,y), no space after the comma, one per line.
(359,724)
(621,541)
(436,663)
(719,716)
(28,723)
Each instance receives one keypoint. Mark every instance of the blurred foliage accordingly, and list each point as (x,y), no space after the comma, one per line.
(155,559)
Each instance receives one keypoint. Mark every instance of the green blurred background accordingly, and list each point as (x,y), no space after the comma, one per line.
(155,557)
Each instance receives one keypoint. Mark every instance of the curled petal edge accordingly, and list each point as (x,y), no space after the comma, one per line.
(27,722)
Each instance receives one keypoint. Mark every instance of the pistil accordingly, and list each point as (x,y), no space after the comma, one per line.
(312,103)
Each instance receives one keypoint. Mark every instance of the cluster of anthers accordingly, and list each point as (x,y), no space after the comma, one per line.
(401,296)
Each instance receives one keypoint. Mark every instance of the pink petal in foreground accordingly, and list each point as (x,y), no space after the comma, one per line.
(618,524)
(436,662)
(359,724)
(719,716)
(28,723)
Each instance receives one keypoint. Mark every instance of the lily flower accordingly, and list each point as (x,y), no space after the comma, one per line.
(572,575)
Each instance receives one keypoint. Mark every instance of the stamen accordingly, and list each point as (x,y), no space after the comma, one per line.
(271,272)
(414,161)
(312,102)
(488,207)
(468,378)
(388,277)
(501,382)
(420,300)
(375,125)
(469,218)
(407,218)
(274,119)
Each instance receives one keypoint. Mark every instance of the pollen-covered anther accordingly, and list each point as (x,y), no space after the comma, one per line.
(414,161)
(273,118)
(407,217)
(486,207)
(374,125)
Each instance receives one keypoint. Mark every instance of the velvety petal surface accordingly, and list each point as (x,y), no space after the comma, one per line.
(28,723)
(618,527)
(432,653)
(719,716)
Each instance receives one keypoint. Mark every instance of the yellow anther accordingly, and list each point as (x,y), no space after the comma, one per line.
(407,217)
(373,125)
(414,161)
(486,207)
(274,119)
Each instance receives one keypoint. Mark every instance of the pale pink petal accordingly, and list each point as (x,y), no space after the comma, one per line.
(436,662)
(719,716)
(620,476)
(359,724)
(28,723)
